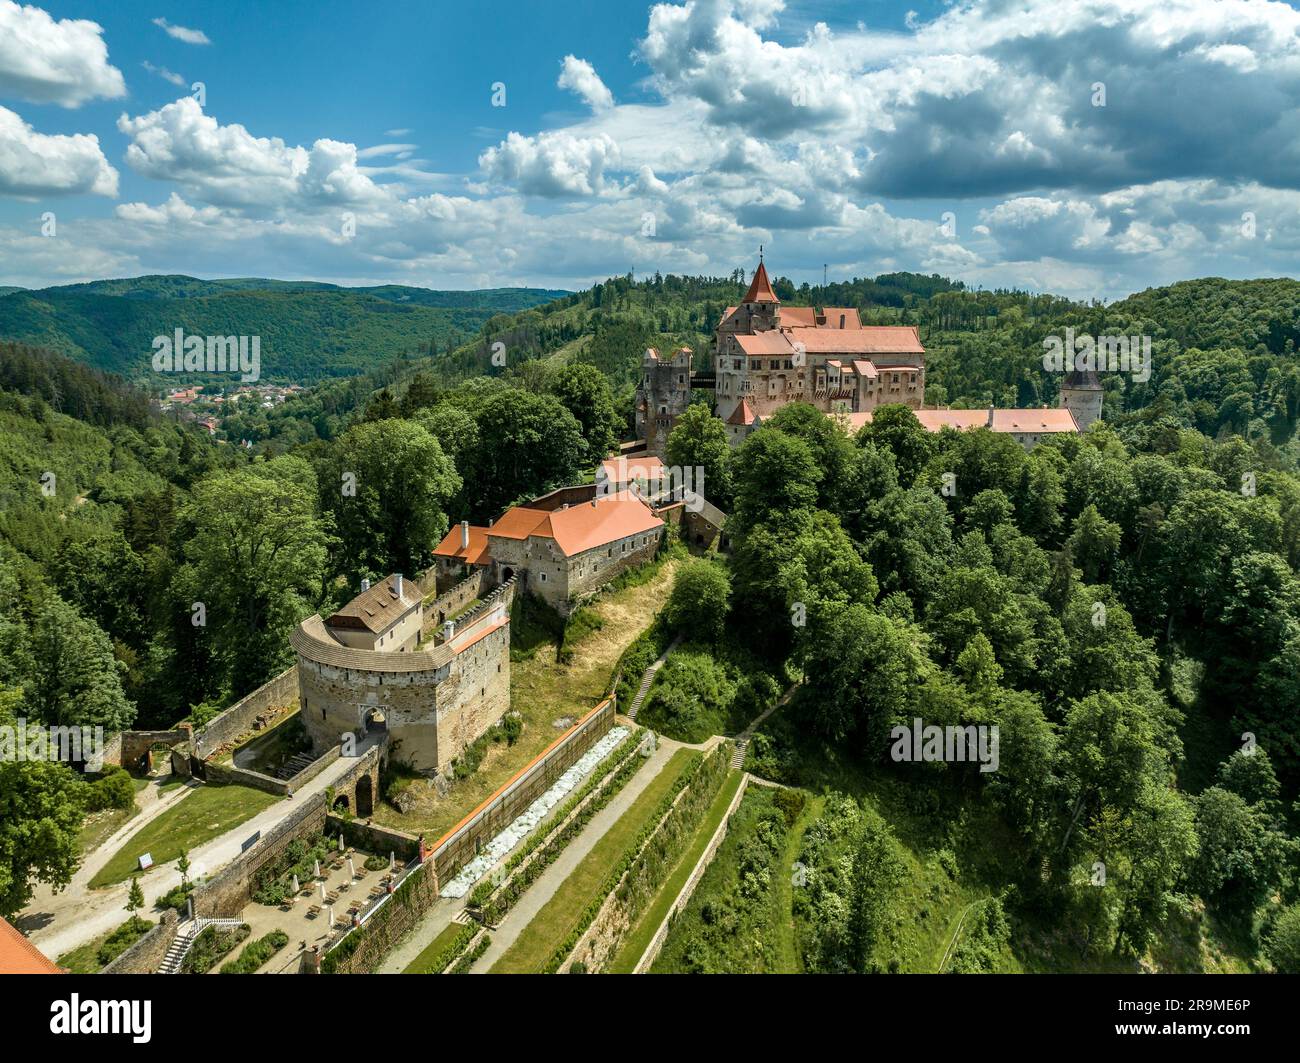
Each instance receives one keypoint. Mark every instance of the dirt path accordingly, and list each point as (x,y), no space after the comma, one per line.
(540,892)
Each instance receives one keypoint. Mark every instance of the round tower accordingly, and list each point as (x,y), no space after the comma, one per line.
(1081,394)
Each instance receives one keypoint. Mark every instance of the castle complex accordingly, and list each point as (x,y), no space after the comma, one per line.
(767,355)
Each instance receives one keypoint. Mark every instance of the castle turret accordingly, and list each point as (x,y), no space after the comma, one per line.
(1081,394)
(662,396)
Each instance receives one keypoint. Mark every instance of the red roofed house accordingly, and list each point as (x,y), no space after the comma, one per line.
(561,555)
(20,956)
(1027,427)
(768,355)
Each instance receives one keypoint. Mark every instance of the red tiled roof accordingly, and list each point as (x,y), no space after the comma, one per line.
(833,315)
(518,522)
(873,339)
(760,289)
(20,956)
(1010,422)
(593,524)
(799,316)
(742,414)
(648,467)
(475,554)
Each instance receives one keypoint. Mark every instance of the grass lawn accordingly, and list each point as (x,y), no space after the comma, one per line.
(553,924)
(85,958)
(636,942)
(545,693)
(98,827)
(420,965)
(206,814)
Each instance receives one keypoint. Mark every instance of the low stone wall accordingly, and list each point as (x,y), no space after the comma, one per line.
(373,838)
(226,894)
(688,889)
(459,845)
(229,774)
(127,749)
(448,604)
(227,726)
(146,955)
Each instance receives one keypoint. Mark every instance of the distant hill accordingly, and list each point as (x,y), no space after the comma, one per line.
(309,330)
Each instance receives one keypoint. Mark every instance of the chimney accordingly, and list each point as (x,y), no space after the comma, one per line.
(448,629)
(397,582)
(365,583)
(990,420)
(464,535)
(593,503)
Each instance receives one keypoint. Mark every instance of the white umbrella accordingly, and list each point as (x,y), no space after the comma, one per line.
(295,885)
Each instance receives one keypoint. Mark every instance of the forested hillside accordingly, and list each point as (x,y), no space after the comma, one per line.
(308,331)
(852,575)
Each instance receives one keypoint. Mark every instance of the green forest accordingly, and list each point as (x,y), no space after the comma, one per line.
(309,331)
(1123,606)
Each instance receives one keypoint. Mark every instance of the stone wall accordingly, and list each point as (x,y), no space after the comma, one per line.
(238,719)
(459,845)
(451,602)
(147,954)
(373,838)
(128,749)
(562,582)
(433,703)
(228,892)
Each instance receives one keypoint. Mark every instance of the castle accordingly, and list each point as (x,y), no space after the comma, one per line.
(380,664)
(767,355)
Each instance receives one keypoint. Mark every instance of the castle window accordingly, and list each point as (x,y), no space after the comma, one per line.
(543,577)
(681,379)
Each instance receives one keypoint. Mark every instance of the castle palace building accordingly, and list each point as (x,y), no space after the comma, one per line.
(768,355)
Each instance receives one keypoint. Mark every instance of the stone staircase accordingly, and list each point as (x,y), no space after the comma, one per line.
(294,765)
(185,937)
(649,679)
(738,757)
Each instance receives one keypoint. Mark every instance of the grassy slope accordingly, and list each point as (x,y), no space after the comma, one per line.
(420,965)
(638,940)
(204,815)
(556,920)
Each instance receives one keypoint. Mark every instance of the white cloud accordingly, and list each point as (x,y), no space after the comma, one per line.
(36,164)
(552,164)
(226,164)
(164,73)
(63,62)
(580,76)
(182,33)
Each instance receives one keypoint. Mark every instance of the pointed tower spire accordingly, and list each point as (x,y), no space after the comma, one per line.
(760,289)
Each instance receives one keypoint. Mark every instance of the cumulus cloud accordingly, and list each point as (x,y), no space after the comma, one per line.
(552,164)
(36,164)
(182,33)
(63,62)
(226,164)
(580,76)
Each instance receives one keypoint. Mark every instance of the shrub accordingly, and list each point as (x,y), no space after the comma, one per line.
(691,697)
(375,862)
(256,953)
(122,939)
(211,945)
(113,789)
(175,897)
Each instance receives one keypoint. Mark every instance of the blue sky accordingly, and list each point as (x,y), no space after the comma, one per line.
(360,143)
